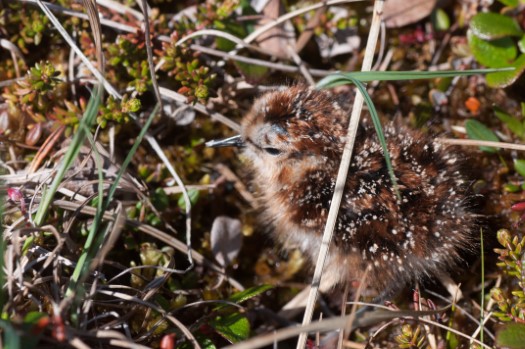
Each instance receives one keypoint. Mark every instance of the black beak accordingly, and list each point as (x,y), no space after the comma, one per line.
(235,141)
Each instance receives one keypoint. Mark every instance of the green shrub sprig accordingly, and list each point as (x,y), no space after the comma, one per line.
(194,78)
(512,257)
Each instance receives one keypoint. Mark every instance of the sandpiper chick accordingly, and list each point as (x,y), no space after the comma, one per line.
(294,138)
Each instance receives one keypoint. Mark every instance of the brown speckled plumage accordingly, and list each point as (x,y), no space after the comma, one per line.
(294,138)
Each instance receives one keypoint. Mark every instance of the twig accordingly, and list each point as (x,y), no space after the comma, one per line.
(45,148)
(237,183)
(158,309)
(463,311)
(486,318)
(308,32)
(339,322)
(221,34)
(10,82)
(260,62)
(378,331)
(382,46)
(149,52)
(15,53)
(443,44)
(94,22)
(453,330)
(201,108)
(117,7)
(353,312)
(302,67)
(291,15)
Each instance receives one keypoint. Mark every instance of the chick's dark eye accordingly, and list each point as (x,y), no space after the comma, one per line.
(272,151)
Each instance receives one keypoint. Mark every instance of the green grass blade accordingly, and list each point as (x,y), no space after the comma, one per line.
(134,148)
(377,125)
(11,337)
(82,269)
(357,78)
(94,228)
(78,139)
(339,79)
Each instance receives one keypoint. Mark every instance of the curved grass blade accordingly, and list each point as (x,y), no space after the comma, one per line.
(357,78)
(341,78)
(345,79)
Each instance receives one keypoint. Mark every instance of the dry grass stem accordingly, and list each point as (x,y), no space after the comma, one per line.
(478,143)
(342,173)
(220,34)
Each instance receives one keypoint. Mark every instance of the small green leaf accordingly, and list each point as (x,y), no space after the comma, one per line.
(27,244)
(495,54)
(252,72)
(511,336)
(518,294)
(131,105)
(11,338)
(507,78)
(453,341)
(511,3)
(476,130)
(234,28)
(519,166)
(512,123)
(194,196)
(242,296)
(511,188)
(233,327)
(440,20)
(160,200)
(33,316)
(203,341)
(490,26)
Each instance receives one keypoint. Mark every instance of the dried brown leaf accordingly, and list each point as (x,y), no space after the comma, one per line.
(398,13)
(226,239)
